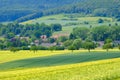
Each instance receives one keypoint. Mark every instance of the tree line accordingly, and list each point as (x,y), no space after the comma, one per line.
(76,44)
(99,33)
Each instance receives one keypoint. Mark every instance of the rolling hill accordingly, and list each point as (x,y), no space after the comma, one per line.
(11,10)
(30,9)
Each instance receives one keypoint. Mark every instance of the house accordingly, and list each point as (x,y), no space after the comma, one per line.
(43,37)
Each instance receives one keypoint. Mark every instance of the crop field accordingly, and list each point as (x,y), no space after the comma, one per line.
(60,65)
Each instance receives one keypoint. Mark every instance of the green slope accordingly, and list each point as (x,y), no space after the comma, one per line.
(12,10)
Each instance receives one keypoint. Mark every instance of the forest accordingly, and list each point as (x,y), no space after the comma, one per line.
(31,11)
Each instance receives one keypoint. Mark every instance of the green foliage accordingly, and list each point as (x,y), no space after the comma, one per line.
(34,48)
(68,43)
(59,47)
(94,7)
(72,48)
(16,42)
(71,36)
(51,40)
(56,48)
(77,43)
(119,47)
(101,33)
(107,46)
(10,35)
(42,48)
(28,31)
(89,45)
(2,46)
(23,10)
(108,41)
(25,48)
(56,27)
(13,49)
(62,38)
(81,32)
(100,21)
(52,48)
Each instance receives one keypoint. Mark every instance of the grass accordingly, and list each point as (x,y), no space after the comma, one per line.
(98,70)
(66,18)
(60,65)
(10,56)
(56,60)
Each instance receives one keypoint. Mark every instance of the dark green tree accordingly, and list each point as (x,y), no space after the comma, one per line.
(68,43)
(119,47)
(107,46)
(56,27)
(34,49)
(89,45)
(72,48)
(100,21)
(77,43)
(81,32)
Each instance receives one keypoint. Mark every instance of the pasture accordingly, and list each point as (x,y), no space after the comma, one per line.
(60,65)
(70,21)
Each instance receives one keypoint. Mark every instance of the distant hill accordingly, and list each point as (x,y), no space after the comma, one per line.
(94,7)
(33,4)
(23,10)
(13,9)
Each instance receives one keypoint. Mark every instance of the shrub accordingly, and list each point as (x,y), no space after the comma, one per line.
(13,49)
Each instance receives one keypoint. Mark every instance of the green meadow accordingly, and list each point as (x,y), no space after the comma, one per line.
(70,21)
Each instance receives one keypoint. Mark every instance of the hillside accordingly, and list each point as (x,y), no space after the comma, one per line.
(94,7)
(12,10)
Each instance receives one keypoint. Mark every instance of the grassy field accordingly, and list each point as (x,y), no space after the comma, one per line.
(70,21)
(98,70)
(60,65)
(10,56)
(67,18)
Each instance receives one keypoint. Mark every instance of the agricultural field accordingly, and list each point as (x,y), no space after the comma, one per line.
(70,21)
(60,65)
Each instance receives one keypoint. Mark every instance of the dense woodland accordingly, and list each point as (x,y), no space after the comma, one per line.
(19,11)
(29,8)
(29,30)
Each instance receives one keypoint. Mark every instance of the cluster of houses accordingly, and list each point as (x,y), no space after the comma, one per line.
(43,41)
